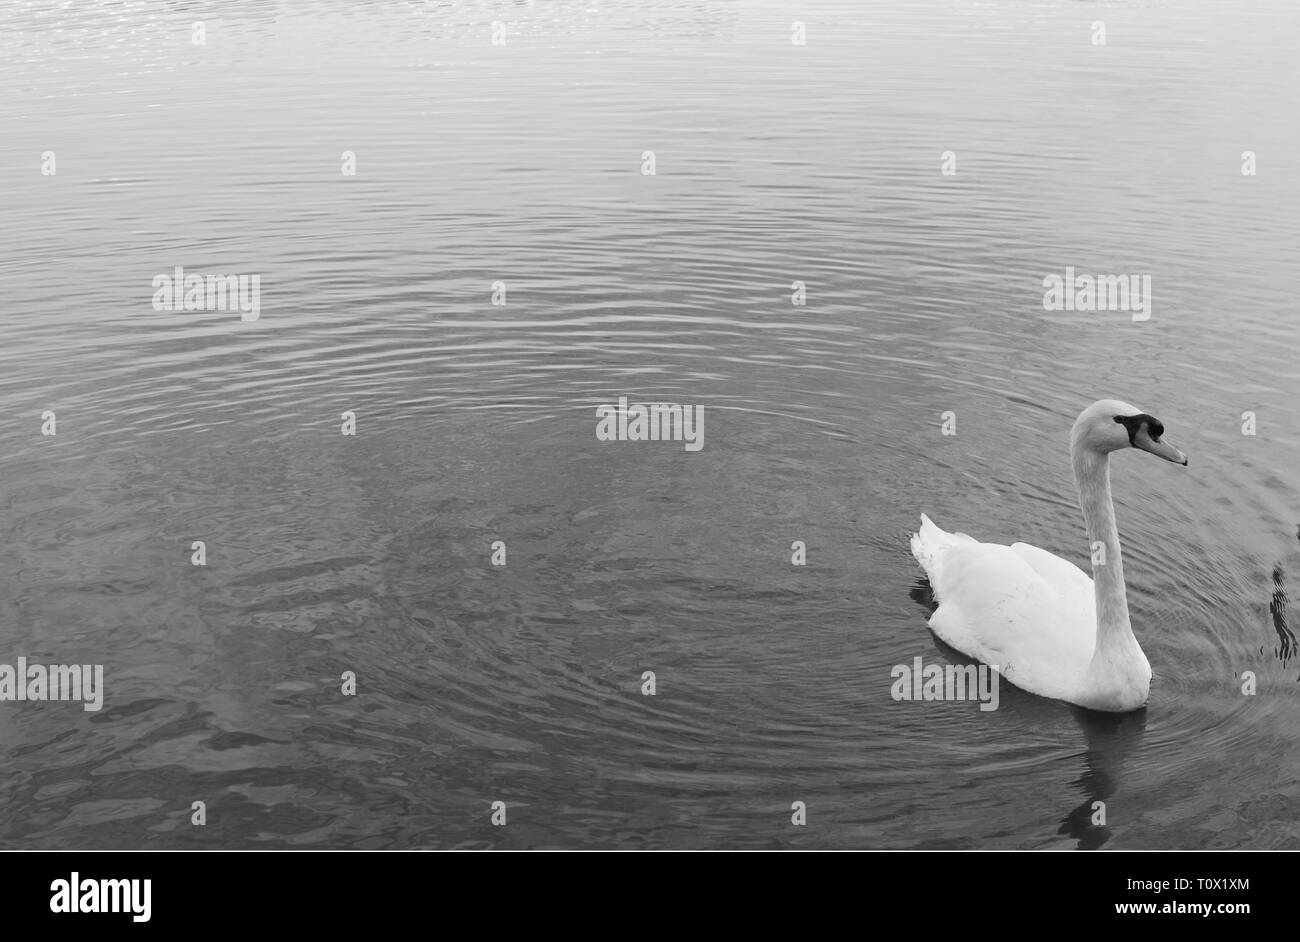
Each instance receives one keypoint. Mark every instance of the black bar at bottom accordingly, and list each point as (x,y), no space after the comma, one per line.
(458,892)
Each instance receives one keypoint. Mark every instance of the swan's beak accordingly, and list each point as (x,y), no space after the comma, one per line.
(1159,449)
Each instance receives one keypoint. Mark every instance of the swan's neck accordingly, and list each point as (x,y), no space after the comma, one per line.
(1114,631)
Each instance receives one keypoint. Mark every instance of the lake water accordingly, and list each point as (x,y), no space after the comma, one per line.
(522,163)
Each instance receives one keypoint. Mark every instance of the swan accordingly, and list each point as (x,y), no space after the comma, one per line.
(1035,617)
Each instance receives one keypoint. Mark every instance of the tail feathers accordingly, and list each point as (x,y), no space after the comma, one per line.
(929,544)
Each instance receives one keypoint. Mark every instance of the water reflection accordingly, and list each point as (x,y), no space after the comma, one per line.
(1111,738)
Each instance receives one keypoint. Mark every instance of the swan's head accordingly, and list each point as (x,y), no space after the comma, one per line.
(1110,425)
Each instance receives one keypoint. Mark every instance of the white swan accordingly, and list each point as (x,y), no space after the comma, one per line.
(1037,617)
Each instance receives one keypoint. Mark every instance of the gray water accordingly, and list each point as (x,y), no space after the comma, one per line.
(522,163)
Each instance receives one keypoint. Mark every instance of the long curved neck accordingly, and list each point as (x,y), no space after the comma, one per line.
(1092,477)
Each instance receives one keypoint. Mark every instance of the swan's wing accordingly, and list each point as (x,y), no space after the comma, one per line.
(1059,572)
(1035,621)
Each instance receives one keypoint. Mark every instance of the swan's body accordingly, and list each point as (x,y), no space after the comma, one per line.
(1038,618)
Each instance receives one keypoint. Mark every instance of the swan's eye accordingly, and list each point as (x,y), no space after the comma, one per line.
(1136,423)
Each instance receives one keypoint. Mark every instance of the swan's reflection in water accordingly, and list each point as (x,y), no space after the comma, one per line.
(1111,738)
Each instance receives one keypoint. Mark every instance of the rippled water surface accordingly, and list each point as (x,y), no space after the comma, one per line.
(522,163)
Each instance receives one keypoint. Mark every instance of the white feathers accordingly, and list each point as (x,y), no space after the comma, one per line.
(1036,617)
(1017,608)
